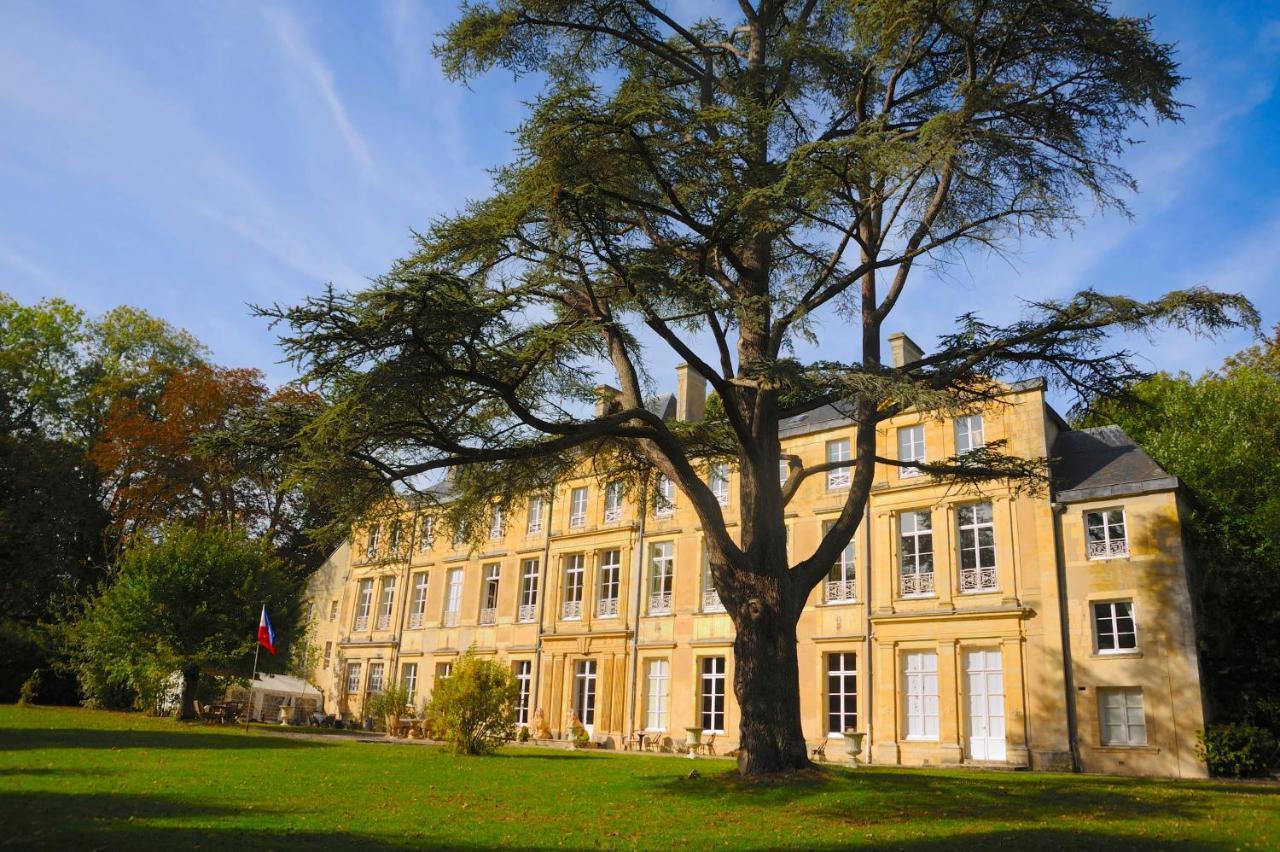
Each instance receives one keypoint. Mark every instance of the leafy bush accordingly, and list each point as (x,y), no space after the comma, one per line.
(388,705)
(1237,750)
(580,737)
(474,707)
(523,736)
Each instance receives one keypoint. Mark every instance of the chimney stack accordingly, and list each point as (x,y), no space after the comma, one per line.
(691,394)
(903,350)
(606,399)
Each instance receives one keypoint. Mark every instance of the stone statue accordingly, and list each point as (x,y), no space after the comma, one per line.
(540,729)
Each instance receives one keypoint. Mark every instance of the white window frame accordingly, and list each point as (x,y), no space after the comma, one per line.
(842,685)
(664,504)
(711,684)
(452,598)
(920,692)
(911,448)
(1108,546)
(523,670)
(841,584)
(496,525)
(977,560)
(662,569)
(333,610)
(376,679)
(534,526)
(489,594)
(657,697)
(1122,717)
(418,612)
(613,503)
(710,595)
(784,470)
(1113,617)
(352,683)
(970,432)
(396,537)
(718,481)
(371,547)
(575,575)
(838,450)
(530,571)
(364,605)
(387,603)
(409,680)
(578,507)
(913,579)
(328,655)
(610,583)
(444,670)
(427,532)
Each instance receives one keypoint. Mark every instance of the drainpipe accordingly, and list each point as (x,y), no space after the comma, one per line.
(542,605)
(637,570)
(1068,680)
(866,607)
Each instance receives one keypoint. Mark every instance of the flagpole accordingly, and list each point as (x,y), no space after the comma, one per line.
(257,646)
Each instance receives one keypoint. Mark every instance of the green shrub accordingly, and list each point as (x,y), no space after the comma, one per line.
(1237,750)
(474,707)
(387,706)
(523,736)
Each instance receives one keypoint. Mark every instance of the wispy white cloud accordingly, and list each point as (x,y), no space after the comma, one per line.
(305,58)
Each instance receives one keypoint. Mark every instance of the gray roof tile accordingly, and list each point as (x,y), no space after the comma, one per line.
(1104,462)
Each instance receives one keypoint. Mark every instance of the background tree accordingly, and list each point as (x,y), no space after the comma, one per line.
(718,188)
(474,707)
(186,601)
(1220,434)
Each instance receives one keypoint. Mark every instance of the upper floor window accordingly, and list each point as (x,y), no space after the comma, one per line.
(719,483)
(910,448)
(838,451)
(535,516)
(1114,629)
(364,604)
(969,433)
(578,507)
(665,504)
(371,548)
(613,502)
(397,535)
(574,573)
(784,470)
(489,604)
(710,595)
(418,611)
(495,522)
(840,586)
(460,533)
(427,532)
(915,540)
(977,548)
(661,571)
(453,598)
(1106,533)
(610,583)
(387,604)
(328,655)
(1122,719)
(333,610)
(528,591)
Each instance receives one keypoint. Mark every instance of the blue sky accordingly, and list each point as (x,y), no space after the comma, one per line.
(191,158)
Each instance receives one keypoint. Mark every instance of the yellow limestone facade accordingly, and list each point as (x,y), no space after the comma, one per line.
(1050,631)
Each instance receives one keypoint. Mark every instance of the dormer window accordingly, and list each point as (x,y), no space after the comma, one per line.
(1106,535)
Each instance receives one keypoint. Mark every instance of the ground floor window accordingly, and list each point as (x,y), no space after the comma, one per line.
(443,670)
(353,677)
(657,695)
(409,680)
(921,681)
(842,692)
(584,691)
(524,674)
(375,677)
(712,702)
(1123,719)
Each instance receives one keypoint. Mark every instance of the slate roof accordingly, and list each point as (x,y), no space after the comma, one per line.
(1091,464)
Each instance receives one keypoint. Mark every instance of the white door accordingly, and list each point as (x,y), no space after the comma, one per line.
(986,705)
(584,695)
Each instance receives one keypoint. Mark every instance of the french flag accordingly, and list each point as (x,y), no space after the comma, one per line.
(266,636)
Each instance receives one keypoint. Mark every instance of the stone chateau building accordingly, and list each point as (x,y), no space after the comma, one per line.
(1051,631)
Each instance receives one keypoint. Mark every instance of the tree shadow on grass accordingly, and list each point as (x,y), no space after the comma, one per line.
(29,739)
(41,772)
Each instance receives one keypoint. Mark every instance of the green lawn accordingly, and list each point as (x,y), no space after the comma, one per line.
(89,780)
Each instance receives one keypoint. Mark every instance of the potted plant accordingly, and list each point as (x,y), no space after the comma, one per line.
(694,740)
(853,744)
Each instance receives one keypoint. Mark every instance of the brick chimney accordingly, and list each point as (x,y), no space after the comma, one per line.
(903,350)
(606,399)
(691,394)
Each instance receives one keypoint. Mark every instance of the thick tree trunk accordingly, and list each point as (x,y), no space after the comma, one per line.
(766,681)
(190,680)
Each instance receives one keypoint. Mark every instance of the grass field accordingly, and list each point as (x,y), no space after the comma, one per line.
(90,780)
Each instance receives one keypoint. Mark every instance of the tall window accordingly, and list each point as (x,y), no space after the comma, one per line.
(387,603)
(1107,537)
(664,504)
(574,571)
(524,678)
(661,569)
(418,609)
(353,678)
(842,693)
(333,610)
(443,670)
(584,691)
(1123,721)
(371,547)
(328,655)
(838,451)
(489,603)
(840,586)
(364,605)
(915,535)
(613,502)
(610,569)
(969,433)
(495,522)
(375,677)
(1114,627)
(409,680)
(719,483)
(535,515)
(784,470)
(427,532)
(528,590)
(460,533)
(396,539)
(712,695)
(710,596)
(657,695)
(922,695)
(578,507)
(977,548)
(453,598)
(910,448)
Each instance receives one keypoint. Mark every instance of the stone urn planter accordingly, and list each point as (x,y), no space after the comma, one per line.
(694,740)
(853,745)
